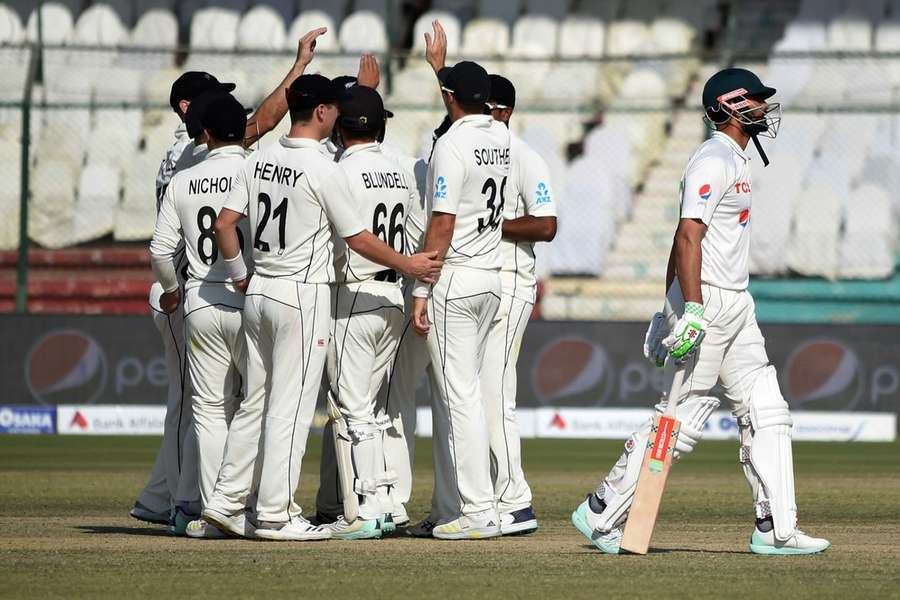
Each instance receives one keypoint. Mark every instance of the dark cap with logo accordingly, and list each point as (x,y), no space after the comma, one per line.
(362,109)
(466,80)
(502,91)
(341,84)
(309,91)
(193,83)
(225,118)
(739,82)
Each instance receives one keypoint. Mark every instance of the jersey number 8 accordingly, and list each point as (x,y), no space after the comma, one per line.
(206,220)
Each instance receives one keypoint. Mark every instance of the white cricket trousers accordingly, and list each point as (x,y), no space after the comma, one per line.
(461,308)
(216,361)
(498,384)
(174,476)
(286,330)
(368,321)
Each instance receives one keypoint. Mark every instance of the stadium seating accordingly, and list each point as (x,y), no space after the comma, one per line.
(869,244)
(95,207)
(363,31)
(11,29)
(261,28)
(451,26)
(57,23)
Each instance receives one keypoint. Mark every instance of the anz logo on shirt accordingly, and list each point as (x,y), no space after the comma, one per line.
(440,188)
(543,194)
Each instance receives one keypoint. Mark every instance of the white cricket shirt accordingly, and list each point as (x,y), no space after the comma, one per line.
(189,209)
(715,188)
(183,154)
(415,169)
(296,198)
(529,192)
(468,177)
(382,193)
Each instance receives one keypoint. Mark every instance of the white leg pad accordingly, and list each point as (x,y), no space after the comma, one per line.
(770,454)
(617,489)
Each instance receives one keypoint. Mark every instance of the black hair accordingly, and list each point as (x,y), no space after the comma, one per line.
(472,108)
(303,115)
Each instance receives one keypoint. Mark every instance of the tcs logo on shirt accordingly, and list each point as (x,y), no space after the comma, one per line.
(742,187)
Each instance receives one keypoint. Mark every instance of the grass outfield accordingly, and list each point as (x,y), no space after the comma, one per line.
(64,532)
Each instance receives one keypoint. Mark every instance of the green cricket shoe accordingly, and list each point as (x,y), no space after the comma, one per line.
(180,522)
(608,542)
(360,529)
(386,522)
(764,542)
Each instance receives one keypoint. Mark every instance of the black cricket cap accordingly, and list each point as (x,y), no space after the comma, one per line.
(193,83)
(194,117)
(341,84)
(734,80)
(309,91)
(225,118)
(362,109)
(466,80)
(503,91)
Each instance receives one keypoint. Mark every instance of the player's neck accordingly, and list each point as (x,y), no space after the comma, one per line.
(736,133)
(307,130)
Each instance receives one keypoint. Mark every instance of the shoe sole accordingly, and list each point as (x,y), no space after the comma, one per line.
(358,535)
(145,518)
(274,535)
(773,551)
(223,523)
(472,534)
(418,534)
(523,528)
(580,523)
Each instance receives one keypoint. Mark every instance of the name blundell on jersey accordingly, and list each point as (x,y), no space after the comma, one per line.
(387,180)
(281,174)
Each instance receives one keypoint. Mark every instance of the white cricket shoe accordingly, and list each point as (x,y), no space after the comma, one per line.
(605,541)
(764,542)
(401,517)
(472,527)
(518,522)
(236,524)
(360,529)
(296,530)
(201,529)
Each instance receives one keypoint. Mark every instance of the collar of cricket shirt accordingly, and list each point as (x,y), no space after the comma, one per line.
(361,148)
(181,132)
(472,121)
(294,142)
(731,143)
(229,150)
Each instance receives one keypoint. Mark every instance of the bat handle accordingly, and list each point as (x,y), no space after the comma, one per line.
(675,390)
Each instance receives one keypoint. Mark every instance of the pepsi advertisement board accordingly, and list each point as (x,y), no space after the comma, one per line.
(84,360)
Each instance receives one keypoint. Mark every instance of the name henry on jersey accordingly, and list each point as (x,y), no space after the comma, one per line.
(277,173)
(377,180)
(209,185)
(491,156)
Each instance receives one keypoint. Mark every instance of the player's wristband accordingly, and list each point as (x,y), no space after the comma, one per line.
(236,267)
(421,290)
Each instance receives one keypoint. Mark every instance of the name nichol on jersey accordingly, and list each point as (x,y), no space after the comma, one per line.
(277,173)
(209,185)
(379,179)
(491,156)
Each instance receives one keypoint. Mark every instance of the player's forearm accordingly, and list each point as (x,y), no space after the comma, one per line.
(439,234)
(372,248)
(530,229)
(165,271)
(688,258)
(670,269)
(273,108)
(226,234)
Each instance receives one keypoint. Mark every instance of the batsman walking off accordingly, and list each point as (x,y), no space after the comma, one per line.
(708,325)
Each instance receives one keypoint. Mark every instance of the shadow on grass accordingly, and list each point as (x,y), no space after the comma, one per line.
(119,530)
(670,550)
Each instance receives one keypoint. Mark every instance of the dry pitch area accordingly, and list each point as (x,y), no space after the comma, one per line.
(64,532)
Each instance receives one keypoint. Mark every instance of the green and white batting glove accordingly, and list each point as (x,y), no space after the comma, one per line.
(653,339)
(687,334)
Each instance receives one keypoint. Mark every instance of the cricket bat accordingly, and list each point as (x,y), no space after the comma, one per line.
(654,474)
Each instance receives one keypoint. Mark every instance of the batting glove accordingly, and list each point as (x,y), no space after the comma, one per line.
(653,347)
(687,334)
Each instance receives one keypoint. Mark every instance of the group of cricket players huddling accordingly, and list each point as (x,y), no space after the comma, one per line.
(328,263)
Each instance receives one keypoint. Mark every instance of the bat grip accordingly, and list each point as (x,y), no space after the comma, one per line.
(675,390)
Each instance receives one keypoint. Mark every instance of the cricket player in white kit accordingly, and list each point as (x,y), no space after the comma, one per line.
(467,179)
(368,316)
(529,216)
(709,325)
(296,199)
(212,306)
(155,502)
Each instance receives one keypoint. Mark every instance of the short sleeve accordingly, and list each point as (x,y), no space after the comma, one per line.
(239,198)
(449,174)
(702,188)
(535,187)
(337,202)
